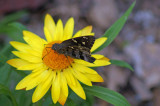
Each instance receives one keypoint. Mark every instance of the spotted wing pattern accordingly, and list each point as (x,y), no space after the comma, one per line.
(85,41)
(78,48)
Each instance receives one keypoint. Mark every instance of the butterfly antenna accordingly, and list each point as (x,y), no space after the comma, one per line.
(47,52)
(68,61)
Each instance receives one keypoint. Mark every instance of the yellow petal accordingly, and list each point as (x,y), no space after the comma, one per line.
(81,77)
(98,42)
(105,58)
(59,31)
(78,89)
(91,74)
(94,77)
(56,88)
(68,29)
(27,57)
(25,48)
(42,88)
(20,46)
(34,41)
(62,98)
(54,74)
(34,52)
(17,62)
(48,36)
(38,79)
(49,27)
(97,56)
(78,34)
(97,62)
(30,66)
(83,69)
(85,31)
(69,77)
(43,67)
(23,83)
(64,85)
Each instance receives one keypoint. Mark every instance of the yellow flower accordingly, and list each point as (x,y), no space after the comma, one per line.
(52,70)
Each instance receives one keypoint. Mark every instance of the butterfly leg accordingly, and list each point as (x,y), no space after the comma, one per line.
(47,51)
(68,61)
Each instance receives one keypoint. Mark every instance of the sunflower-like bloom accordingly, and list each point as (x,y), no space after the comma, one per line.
(50,70)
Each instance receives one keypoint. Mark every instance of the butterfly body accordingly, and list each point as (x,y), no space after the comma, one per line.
(78,48)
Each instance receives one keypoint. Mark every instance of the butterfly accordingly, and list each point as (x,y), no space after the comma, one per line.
(78,48)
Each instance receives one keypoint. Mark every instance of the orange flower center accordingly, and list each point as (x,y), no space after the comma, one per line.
(55,60)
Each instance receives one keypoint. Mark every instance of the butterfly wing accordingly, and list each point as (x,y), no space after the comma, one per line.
(79,52)
(78,48)
(84,41)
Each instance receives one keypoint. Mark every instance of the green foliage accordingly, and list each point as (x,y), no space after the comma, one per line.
(5,91)
(107,95)
(13,17)
(121,64)
(74,100)
(13,29)
(5,53)
(9,76)
(114,30)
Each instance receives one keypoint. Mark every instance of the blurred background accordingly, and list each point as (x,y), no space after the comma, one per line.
(138,43)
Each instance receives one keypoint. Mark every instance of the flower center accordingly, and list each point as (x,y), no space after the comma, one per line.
(55,60)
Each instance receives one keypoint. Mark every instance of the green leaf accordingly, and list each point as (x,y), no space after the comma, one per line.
(18,26)
(5,70)
(21,73)
(14,31)
(17,34)
(114,30)
(6,49)
(47,100)
(74,97)
(70,102)
(5,73)
(5,91)
(121,63)
(5,101)
(108,95)
(13,17)
(5,53)
(4,67)
(38,103)
(75,100)
(23,98)
(52,104)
